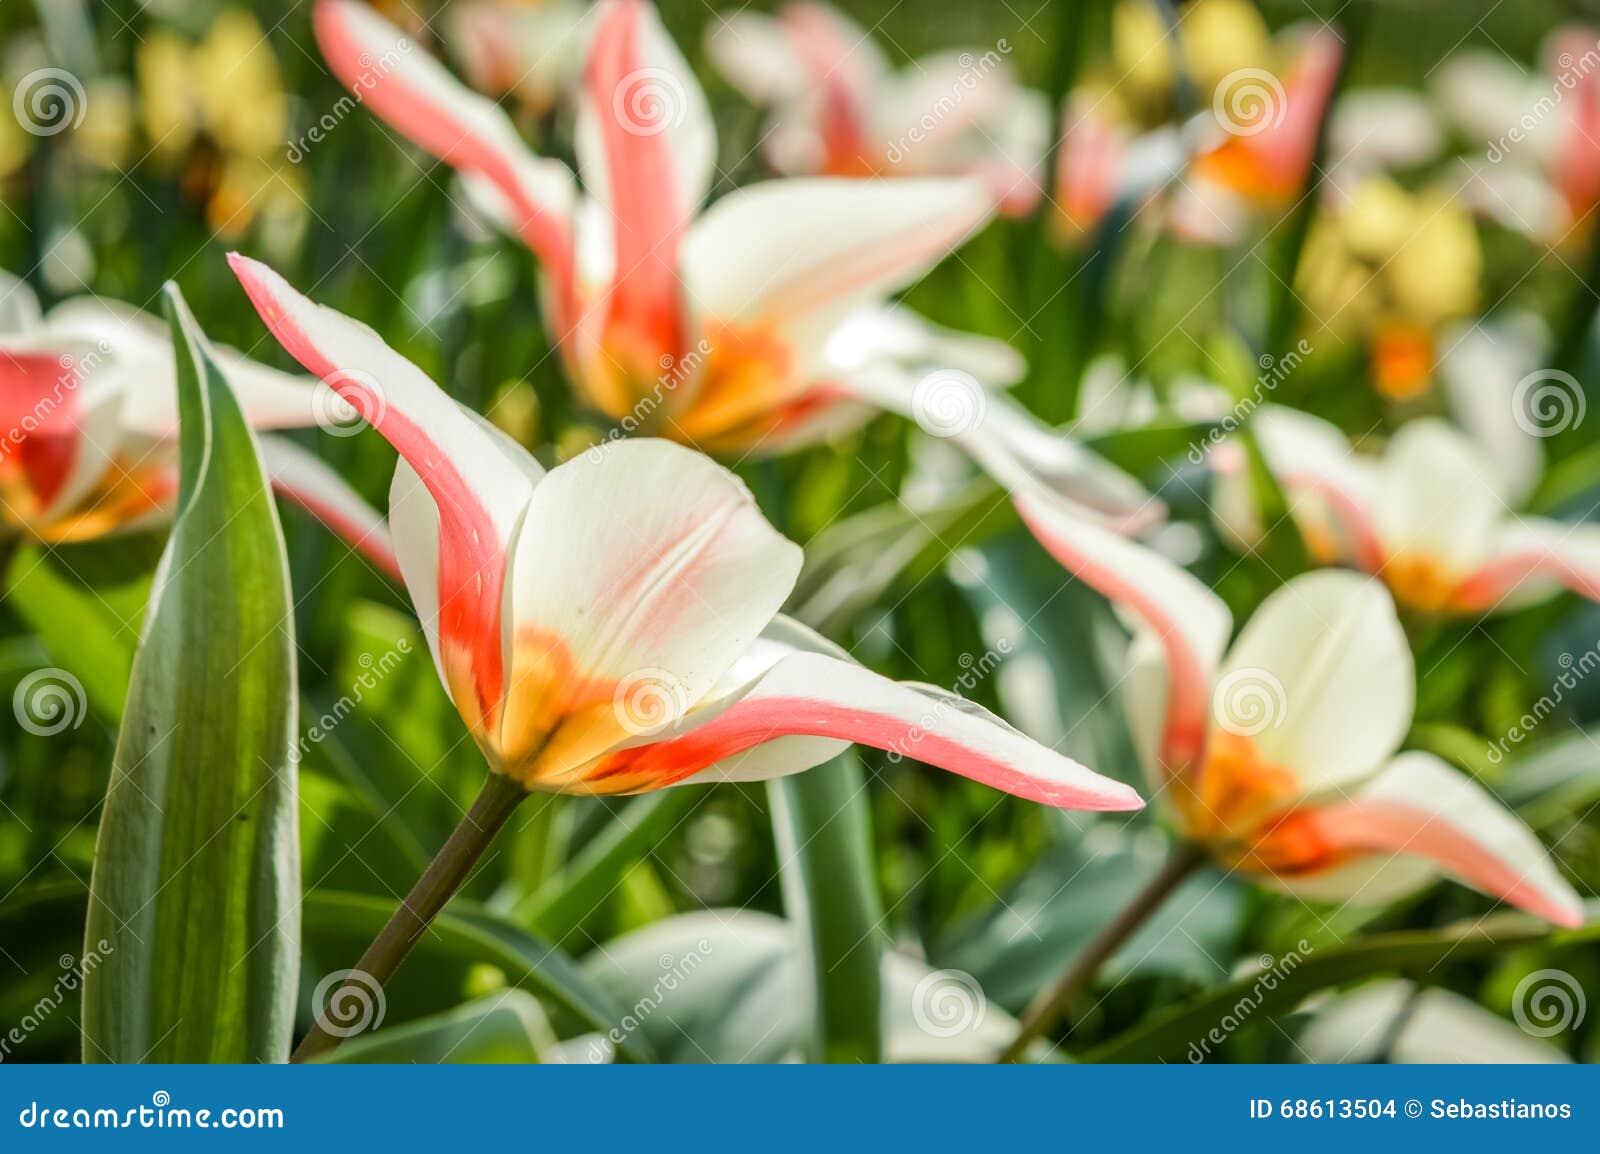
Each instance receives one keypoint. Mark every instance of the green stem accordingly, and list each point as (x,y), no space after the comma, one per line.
(496,802)
(1051,1004)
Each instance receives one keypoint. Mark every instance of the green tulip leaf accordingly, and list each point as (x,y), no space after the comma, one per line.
(196,880)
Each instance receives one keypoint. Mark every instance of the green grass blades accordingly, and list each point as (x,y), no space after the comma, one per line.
(194,900)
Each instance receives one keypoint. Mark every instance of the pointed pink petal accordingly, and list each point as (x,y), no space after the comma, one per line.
(836,57)
(808,691)
(480,493)
(1422,807)
(415,95)
(649,168)
(1189,621)
(1536,556)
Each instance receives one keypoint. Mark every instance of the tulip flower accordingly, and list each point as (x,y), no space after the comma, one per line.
(1433,516)
(89,424)
(611,626)
(716,329)
(838,109)
(215,111)
(1278,753)
(1541,173)
(1249,146)
(1270,125)
(533,52)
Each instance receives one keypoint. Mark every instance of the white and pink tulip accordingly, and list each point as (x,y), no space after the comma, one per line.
(839,109)
(612,626)
(89,427)
(1434,517)
(714,327)
(1278,752)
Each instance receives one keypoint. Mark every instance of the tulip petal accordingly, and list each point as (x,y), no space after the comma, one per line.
(1438,498)
(752,52)
(809,689)
(1008,442)
(1331,491)
(1534,559)
(1421,807)
(784,249)
(1482,365)
(417,96)
(480,492)
(1577,158)
(643,571)
(302,478)
(122,348)
(892,332)
(843,70)
(1326,661)
(1189,621)
(647,150)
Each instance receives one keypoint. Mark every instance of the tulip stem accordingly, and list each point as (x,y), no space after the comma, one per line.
(1052,1003)
(494,805)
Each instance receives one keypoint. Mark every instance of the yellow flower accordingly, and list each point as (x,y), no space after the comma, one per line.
(1392,267)
(217,108)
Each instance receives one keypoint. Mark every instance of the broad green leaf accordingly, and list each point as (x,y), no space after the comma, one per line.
(1286,981)
(507,1027)
(729,986)
(196,879)
(1021,943)
(558,907)
(466,936)
(822,827)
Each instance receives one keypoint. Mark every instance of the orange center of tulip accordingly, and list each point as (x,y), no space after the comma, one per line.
(1419,581)
(560,724)
(746,377)
(126,493)
(1234,791)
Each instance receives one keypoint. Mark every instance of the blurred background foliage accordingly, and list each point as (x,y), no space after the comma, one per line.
(173,166)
